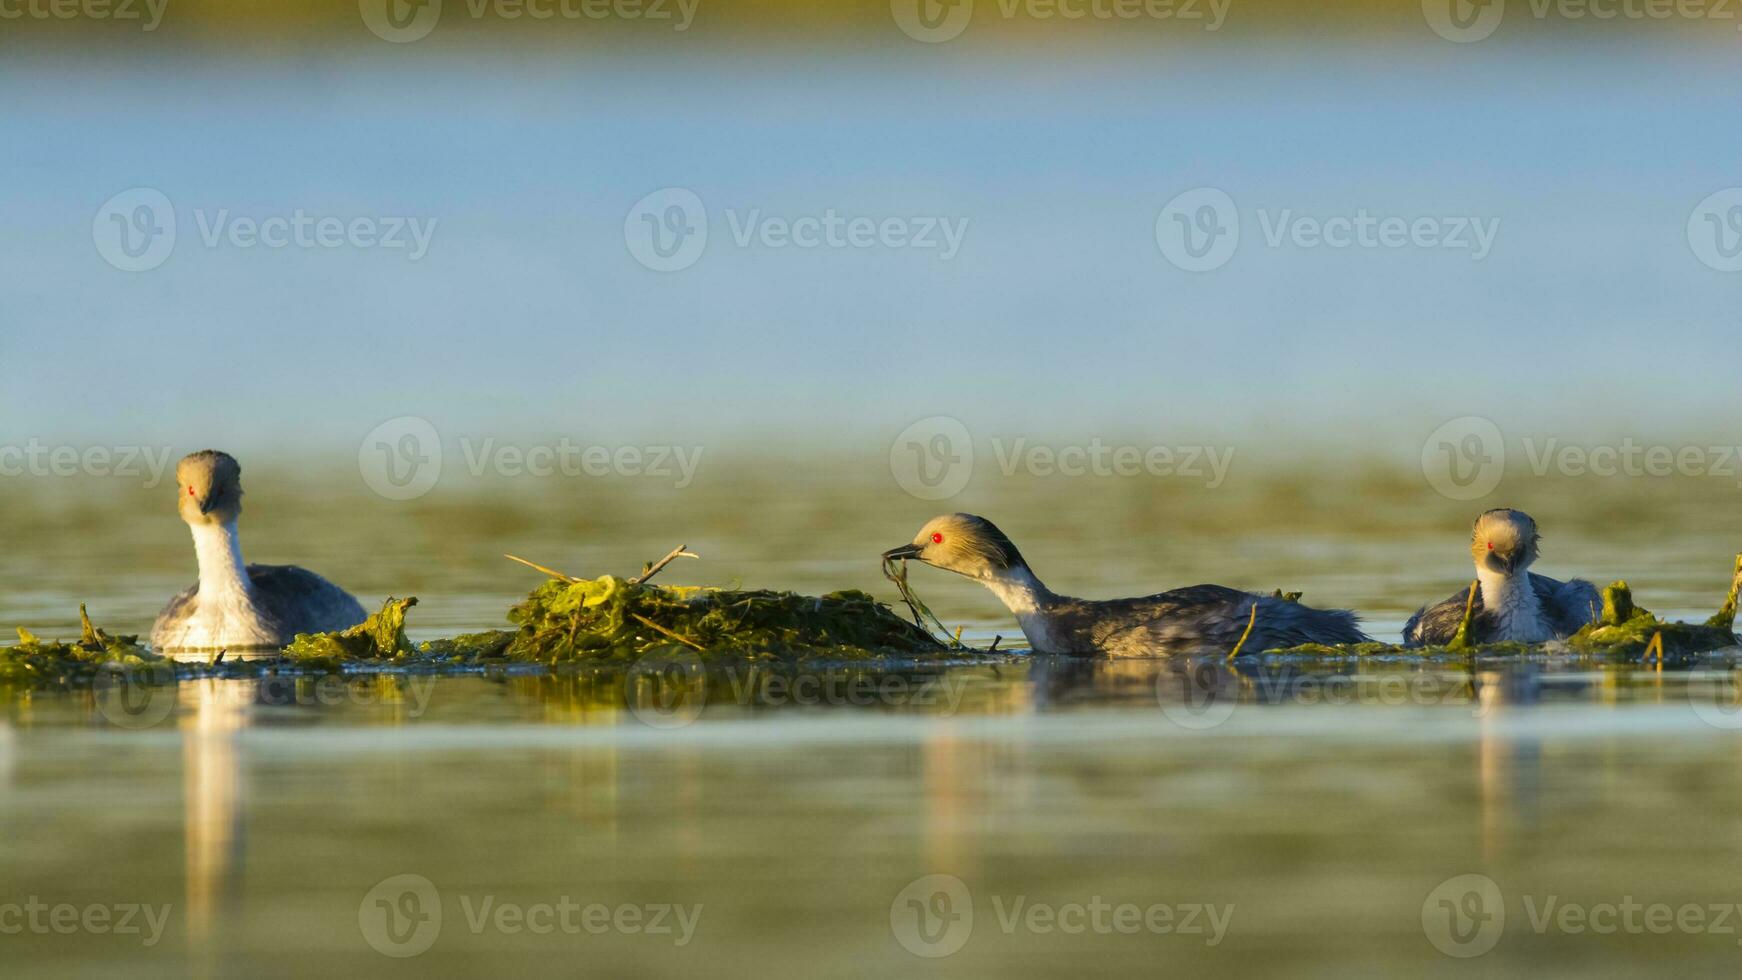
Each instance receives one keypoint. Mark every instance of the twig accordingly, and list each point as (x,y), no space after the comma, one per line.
(553,573)
(653,569)
(1253,621)
(1655,646)
(900,580)
(650,624)
(90,637)
(1461,639)
(918,607)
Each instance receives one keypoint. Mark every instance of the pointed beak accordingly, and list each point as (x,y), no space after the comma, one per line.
(207,503)
(905,551)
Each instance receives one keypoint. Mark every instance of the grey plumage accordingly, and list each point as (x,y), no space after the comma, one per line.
(288,599)
(1196,619)
(1504,544)
(1567,606)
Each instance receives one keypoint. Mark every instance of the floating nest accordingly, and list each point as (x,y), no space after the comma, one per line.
(1627,630)
(608,618)
(611,618)
(566,619)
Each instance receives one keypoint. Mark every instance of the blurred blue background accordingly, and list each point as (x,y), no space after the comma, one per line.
(529,316)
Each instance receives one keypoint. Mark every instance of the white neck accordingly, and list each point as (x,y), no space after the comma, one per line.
(1511,599)
(222,572)
(1027,598)
(1499,588)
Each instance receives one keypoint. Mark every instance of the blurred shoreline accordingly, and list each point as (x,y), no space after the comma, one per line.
(1038,25)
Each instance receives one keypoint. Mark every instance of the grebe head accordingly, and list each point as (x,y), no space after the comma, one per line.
(208,487)
(1504,541)
(964,544)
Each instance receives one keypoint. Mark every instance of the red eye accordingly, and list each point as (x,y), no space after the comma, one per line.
(190,491)
(1490,546)
(937,537)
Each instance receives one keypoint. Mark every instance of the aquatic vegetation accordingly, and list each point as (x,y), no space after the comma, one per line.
(380,641)
(612,618)
(896,571)
(1725,617)
(1627,630)
(1509,648)
(468,648)
(565,619)
(1461,639)
(34,662)
(380,637)
(609,619)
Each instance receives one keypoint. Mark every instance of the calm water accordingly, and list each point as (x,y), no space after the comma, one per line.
(1017,818)
(791,827)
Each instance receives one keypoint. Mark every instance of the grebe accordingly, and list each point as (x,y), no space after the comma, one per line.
(1511,603)
(1198,619)
(233,606)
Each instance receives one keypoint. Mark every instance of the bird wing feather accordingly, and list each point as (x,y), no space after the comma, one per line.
(301,601)
(1568,605)
(1212,619)
(1437,624)
(178,610)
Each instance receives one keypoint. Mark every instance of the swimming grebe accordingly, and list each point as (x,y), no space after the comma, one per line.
(1511,603)
(1198,619)
(235,606)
